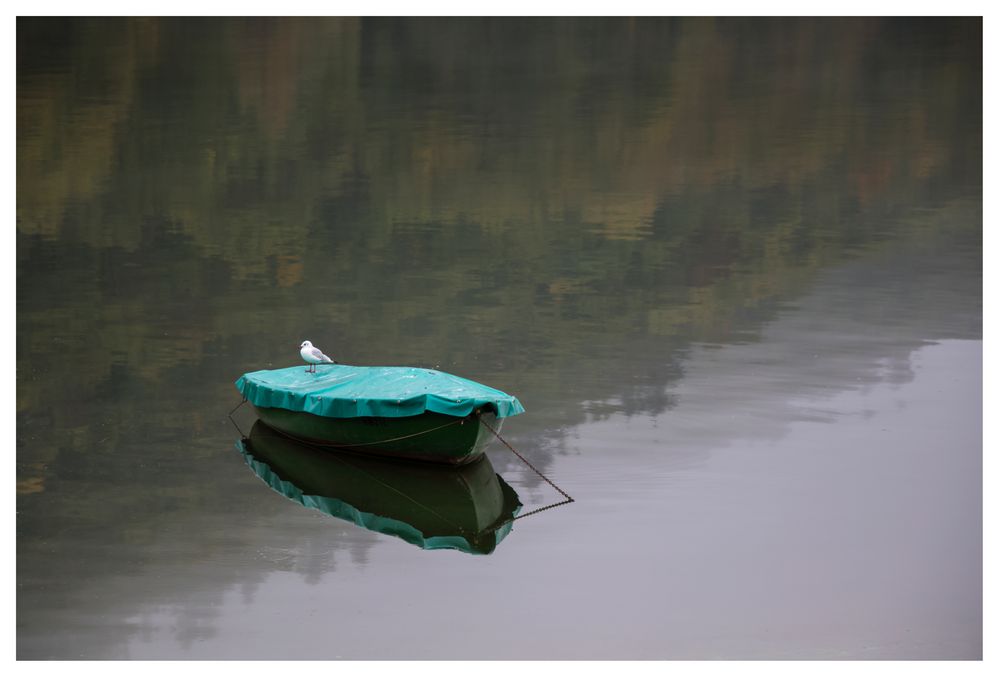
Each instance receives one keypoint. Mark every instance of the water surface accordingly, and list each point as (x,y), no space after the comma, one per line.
(732,268)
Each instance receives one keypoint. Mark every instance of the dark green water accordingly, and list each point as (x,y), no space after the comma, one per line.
(731,268)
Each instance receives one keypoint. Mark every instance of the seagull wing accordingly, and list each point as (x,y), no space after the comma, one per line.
(318,354)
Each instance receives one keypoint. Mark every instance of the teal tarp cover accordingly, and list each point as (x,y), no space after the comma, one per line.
(344,391)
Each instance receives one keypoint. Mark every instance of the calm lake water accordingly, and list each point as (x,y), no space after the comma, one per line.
(732,269)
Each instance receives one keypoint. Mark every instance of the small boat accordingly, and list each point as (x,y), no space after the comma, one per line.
(468,508)
(407,412)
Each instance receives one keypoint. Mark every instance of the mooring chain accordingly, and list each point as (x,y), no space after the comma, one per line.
(233,421)
(568,498)
(542,509)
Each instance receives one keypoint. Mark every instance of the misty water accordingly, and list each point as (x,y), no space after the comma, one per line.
(731,268)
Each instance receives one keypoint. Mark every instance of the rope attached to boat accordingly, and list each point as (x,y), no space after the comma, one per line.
(317,443)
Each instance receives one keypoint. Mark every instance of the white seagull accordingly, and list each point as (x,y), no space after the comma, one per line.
(313,356)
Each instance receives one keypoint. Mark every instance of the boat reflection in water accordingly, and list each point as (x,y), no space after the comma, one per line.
(468,508)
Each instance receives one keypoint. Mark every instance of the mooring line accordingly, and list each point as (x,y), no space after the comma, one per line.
(233,421)
(568,498)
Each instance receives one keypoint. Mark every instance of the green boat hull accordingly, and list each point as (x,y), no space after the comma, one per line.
(429,436)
